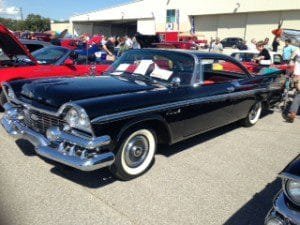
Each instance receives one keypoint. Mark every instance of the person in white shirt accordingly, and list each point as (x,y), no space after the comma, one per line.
(252,45)
(217,46)
(135,43)
(128,42)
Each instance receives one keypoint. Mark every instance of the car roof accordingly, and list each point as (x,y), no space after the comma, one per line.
(197,53)
(194,53)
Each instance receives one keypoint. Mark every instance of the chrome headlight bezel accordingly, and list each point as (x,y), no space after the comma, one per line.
(77,118)
(289,187)
(8,91)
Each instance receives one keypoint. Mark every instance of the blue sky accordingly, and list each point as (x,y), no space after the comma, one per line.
(60,9)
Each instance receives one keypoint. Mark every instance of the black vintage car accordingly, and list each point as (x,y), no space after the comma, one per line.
(147,97)
(286,206)
(232,42)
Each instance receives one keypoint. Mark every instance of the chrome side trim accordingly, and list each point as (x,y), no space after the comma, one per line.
(174,105)
(125,114)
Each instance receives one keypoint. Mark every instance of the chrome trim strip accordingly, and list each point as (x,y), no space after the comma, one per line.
(174,105)
(129,113)
(285,175)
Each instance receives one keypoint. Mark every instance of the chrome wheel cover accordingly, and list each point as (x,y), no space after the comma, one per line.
(255,113)
(136,151)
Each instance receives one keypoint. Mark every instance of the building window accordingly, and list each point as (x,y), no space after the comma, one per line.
(171,16)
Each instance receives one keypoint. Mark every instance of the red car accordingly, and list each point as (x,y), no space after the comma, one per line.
(16,62)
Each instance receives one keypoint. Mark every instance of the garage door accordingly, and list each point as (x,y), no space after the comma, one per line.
(232,25)
(146,26)
(206,25)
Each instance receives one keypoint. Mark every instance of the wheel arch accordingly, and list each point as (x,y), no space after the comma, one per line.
(155,122)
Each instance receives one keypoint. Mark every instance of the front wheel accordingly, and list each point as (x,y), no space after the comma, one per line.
(135,155)
(253,115)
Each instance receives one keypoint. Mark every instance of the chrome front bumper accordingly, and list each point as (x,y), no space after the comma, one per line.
(12,123)
(283,212)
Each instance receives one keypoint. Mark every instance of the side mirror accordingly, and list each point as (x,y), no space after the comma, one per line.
(175,82)
(69,62)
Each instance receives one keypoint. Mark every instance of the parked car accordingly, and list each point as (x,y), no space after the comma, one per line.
(34,45)
(147,97)
(16,62)
(232,42)
(246,57)
(286,206)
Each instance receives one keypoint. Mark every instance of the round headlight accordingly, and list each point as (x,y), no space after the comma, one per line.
(77,118)
(292,188)
(72,117)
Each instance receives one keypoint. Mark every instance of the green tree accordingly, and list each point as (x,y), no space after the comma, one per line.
(32,22)
(35,22)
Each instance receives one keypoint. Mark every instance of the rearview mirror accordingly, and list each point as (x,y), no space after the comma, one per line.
(69,62)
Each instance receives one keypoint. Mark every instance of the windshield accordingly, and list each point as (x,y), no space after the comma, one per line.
(160,66)
(49,55)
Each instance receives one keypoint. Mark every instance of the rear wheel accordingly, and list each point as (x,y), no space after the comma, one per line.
(253,115)
(135,155)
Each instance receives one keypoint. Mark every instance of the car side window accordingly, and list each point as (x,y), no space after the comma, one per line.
(220,71)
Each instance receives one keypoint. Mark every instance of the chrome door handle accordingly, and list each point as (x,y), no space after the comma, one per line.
(230,89)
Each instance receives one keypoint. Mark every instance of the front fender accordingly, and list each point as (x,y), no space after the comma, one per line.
(292,170)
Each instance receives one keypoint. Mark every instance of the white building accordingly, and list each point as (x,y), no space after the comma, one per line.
(222,18)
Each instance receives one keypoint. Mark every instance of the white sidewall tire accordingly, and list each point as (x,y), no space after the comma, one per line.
(147,162)
(258,114)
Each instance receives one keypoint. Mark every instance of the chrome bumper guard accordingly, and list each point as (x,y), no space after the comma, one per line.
(12,123)
(282,212)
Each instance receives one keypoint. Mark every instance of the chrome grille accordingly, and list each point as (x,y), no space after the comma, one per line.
(40,122)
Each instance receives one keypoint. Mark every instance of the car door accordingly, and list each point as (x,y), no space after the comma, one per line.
(241,94)
(212,107)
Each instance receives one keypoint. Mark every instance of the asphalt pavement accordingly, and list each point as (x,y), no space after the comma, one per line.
(227,176)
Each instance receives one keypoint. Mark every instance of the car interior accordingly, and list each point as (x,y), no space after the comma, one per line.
(220,71)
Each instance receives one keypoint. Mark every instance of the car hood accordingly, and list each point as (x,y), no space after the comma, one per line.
(57,91)
(11,46)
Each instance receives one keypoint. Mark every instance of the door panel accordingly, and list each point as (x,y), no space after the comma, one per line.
(213,110)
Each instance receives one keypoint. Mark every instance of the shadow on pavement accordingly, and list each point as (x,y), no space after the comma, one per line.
(94,179)
(255,210)
(26,147)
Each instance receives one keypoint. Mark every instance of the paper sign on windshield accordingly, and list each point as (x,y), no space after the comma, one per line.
(143,67)
(123,67)
(161,73)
